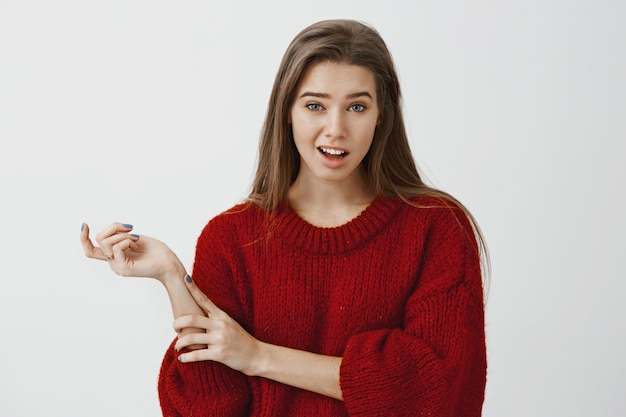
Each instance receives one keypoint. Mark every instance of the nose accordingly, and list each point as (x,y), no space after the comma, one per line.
(335,124)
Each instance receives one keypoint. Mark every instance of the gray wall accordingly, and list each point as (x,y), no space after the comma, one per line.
(148,112)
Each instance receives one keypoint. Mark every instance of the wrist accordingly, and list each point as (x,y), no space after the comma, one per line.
(260,364)
(175,276)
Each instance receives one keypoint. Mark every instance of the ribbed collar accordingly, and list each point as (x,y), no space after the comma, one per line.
(297,232)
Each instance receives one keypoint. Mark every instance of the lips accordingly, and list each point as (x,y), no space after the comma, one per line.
(332,153)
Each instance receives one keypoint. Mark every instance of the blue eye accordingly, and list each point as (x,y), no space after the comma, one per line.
(314,106)
(357,108)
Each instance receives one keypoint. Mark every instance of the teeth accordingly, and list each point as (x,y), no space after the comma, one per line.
(332,151)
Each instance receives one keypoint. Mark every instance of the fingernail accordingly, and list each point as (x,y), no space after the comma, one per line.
(180,358)
(128,226)
(134,235)
(82,227)
(188,279)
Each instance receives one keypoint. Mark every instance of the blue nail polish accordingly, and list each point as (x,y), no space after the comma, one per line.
(134,235)
(128,226)
(82,227)
(180,358)
(188,279)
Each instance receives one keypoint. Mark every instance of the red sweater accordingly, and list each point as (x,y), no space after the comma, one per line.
(396,292)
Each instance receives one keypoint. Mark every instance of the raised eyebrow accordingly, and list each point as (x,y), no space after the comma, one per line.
(360,94)
(325,95)
(312,94)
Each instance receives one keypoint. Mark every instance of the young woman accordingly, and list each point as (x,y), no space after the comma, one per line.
(344,285)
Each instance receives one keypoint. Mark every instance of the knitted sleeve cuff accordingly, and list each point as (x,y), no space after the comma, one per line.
(436,367)
(379,377)
(201,389)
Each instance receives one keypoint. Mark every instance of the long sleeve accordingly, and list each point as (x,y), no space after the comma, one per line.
(397,292)
(435,364)
(206,389)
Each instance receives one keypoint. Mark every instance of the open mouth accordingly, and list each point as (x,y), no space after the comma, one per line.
(332,153)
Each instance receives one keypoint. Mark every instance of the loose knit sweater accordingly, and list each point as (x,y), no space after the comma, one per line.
(396,292)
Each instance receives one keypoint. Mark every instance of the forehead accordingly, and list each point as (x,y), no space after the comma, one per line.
(332,77)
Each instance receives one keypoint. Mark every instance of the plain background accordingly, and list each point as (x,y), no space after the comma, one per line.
(148,112)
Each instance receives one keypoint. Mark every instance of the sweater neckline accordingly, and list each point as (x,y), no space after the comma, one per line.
(299,233)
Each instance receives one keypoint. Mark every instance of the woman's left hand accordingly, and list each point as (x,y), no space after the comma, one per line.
(225,340)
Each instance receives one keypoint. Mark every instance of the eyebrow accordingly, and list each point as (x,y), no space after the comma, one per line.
(325,95)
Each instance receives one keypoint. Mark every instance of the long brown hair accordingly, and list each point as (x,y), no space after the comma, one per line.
(389,163)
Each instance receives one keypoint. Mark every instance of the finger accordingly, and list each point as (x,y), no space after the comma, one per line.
(193,341)
(123,242)
(107,241)
(113,229)
(208,352)
(195,321)
(118,261)
(197,355)
(201,299)
(90,250)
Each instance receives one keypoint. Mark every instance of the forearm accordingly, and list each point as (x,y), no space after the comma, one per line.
(181,300)
(182,303)
(305,370)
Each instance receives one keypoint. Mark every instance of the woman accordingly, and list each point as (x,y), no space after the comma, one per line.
(343,285)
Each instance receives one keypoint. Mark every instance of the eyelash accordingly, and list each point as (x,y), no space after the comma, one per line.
(361,107)
(318,107)
(314,106)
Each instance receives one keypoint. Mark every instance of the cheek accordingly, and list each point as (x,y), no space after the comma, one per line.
(305,128)
(297,133)
(366,132)
(301,137)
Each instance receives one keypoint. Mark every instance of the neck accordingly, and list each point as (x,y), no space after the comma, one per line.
(328,204)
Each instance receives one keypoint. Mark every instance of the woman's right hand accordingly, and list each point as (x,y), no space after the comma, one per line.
(132,255)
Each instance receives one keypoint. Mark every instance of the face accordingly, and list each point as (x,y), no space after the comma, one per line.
(333,119)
